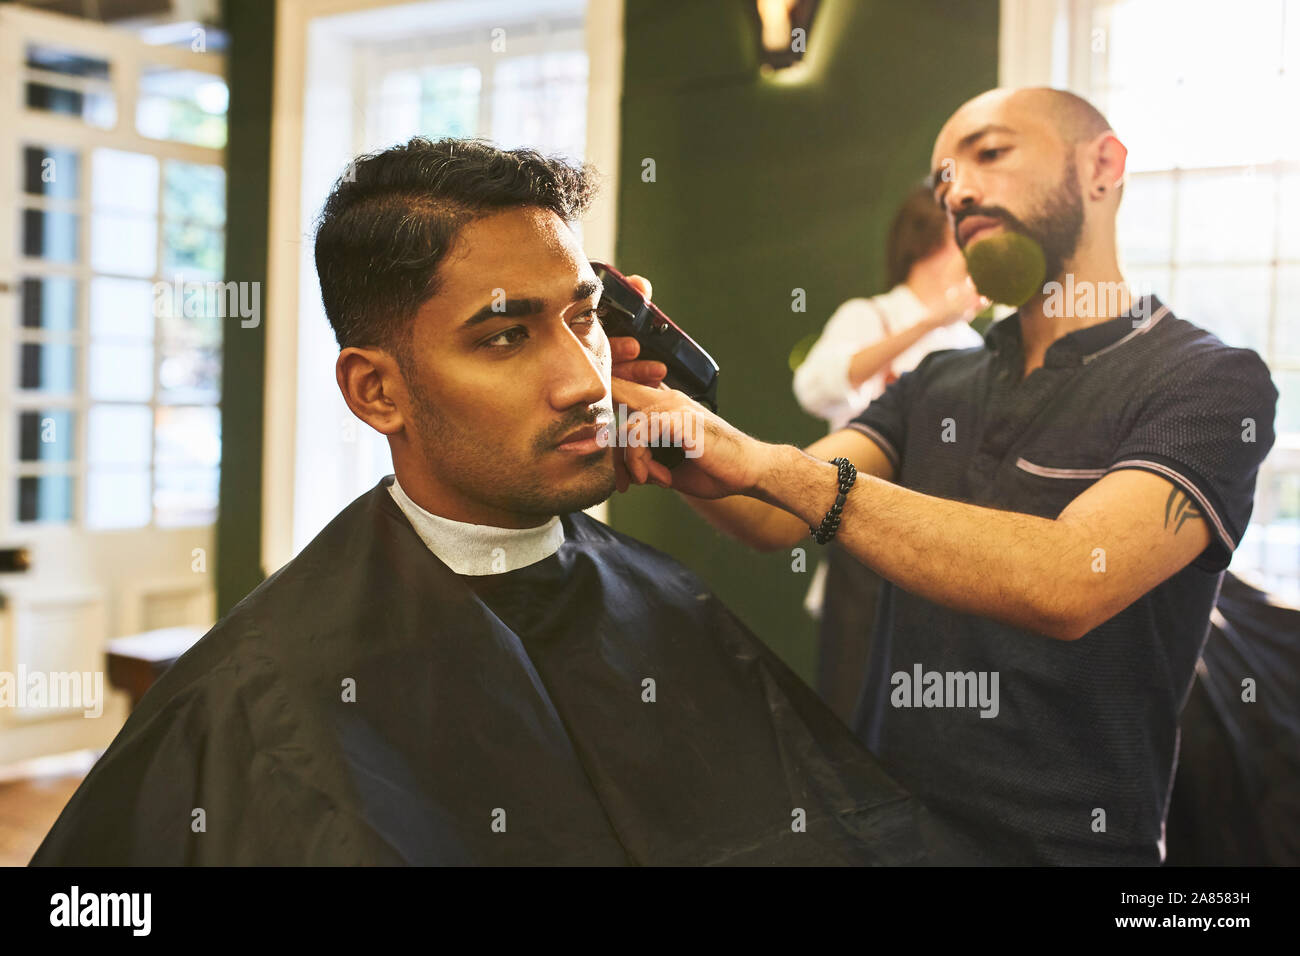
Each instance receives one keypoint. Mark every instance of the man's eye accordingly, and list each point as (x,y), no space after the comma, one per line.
(587,318)
(506,338)
(992,152)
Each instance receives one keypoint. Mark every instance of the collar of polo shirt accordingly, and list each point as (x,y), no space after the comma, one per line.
(1083,345)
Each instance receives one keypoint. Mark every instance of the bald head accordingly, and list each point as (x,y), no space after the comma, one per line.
(1009,139)
(1075,119)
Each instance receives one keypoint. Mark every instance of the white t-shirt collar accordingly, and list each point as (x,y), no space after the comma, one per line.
(476,549)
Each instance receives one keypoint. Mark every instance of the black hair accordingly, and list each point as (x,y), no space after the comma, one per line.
(392,216)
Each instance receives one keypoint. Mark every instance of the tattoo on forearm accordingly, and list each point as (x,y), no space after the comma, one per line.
(1179,508)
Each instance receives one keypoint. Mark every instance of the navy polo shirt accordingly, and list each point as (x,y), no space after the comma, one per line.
(1081,726)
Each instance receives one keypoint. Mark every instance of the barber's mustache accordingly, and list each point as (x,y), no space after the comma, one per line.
(1002,215)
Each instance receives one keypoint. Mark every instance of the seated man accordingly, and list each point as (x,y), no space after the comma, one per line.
(463,667)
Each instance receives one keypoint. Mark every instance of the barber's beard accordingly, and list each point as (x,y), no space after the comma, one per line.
(1058,224)
(473,464)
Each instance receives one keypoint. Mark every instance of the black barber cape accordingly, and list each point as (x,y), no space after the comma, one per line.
(509,726)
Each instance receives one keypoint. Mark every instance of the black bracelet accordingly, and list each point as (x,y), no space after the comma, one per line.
(831,523)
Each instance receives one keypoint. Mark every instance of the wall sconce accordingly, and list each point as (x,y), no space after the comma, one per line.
(783,27)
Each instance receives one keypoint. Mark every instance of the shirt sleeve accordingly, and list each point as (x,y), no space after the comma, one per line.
(884,421)
(821,383)
(1207,427)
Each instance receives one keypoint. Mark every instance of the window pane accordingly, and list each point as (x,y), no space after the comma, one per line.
(119,435)
(125,182)
(194,192)
(96,107)
(127,245)
(448,100)
(1289,213)
(188,437)
(1288,401)
(189,374)
(1232,302)
(185,497)
(117,499)
(1287,328)
(1146,219)
(193,252)
(124,227)
(182,105)
(1226,217)
(120,372)
(47,367)
(51,171)
(87,93)
(45,498)
(48,303)
(65,61)
(46,435)
(541,101)
(51,235)
(121,308)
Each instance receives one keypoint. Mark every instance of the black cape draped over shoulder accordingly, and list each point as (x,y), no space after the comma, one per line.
(516,727)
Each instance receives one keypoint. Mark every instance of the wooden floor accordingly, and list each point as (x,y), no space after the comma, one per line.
(30,804)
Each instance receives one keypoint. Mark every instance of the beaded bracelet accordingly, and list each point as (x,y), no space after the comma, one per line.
(831,523)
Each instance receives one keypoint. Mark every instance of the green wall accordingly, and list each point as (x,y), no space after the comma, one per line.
(761,188)
(248,177)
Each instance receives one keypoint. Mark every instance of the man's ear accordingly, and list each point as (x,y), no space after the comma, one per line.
(370,381)
(1107,161)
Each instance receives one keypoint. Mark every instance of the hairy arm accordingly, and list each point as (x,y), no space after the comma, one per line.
(1115,542)
(768,527)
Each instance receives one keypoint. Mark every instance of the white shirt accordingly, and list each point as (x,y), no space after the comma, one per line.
(821,383)
(478,549)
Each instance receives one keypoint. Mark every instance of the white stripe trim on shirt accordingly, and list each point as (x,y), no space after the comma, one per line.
(1139,330)
(1048,472)
(1186,485)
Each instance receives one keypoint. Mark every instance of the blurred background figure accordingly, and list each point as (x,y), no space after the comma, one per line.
(866,345)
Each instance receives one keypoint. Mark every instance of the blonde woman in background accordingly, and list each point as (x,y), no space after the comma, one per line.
(865,346)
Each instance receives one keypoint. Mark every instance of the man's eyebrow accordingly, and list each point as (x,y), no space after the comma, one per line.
(936,175)
(523,307)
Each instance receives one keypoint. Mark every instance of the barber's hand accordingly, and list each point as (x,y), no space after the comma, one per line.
(728,461)
(624,350)
(721,460)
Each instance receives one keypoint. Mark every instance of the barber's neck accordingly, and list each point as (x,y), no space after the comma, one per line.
(1091,289)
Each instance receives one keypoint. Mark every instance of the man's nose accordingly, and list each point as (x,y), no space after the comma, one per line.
(961,195)
(576,374)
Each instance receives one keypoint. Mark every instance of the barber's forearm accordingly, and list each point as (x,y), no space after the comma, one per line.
(752,522)
(972,559)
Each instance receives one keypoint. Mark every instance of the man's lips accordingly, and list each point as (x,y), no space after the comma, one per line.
(583,441)
(973,227)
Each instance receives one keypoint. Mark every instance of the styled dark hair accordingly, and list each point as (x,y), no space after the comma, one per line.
(392,216)
(919,228)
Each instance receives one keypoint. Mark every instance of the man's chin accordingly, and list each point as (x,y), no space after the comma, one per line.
(594,484)
(597,485)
